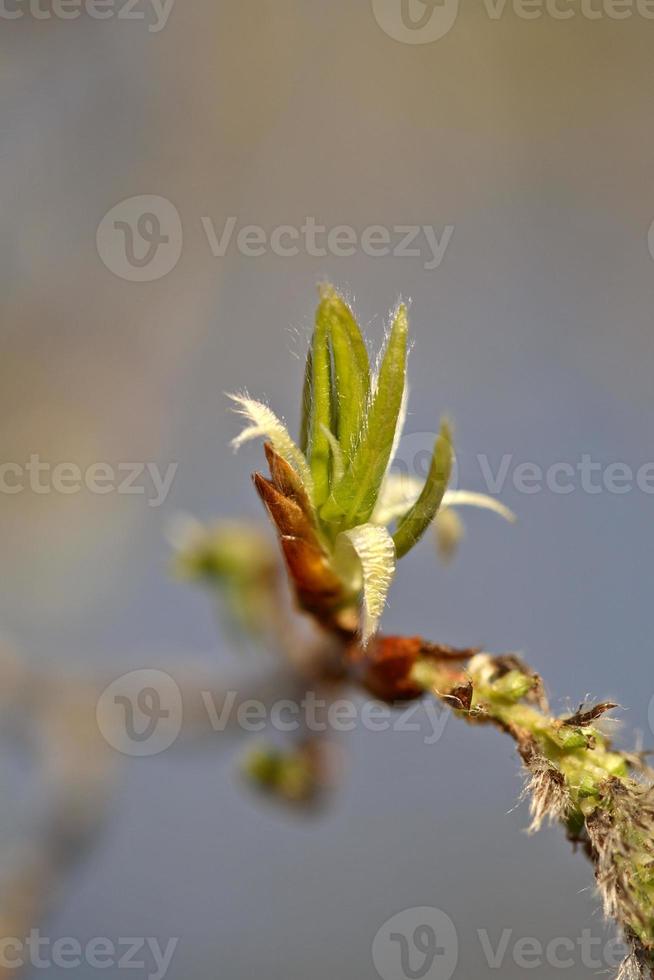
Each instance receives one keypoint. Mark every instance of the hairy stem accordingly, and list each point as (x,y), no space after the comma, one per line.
(603,797)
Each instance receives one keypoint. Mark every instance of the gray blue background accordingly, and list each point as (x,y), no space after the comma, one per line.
(532,138)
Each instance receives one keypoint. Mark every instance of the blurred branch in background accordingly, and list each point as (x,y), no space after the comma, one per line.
(51,714)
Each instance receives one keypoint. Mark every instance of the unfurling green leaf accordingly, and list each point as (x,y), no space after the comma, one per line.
(321,410)
(351,381)
(365,557)
(353,499)
(417,519)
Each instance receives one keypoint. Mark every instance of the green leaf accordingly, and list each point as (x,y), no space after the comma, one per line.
(320,418)
(351,382)
(353,499)
(417,519)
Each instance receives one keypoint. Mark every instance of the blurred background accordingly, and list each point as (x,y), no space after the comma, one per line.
(525,145)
